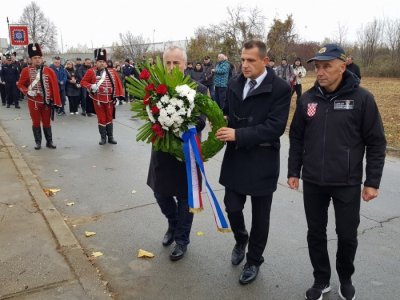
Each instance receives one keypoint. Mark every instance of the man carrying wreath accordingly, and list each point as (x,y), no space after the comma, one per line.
(167,177)
(104,87)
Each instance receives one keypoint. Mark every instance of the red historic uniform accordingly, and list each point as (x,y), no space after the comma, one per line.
(40,85)
(109,88)
(45,85)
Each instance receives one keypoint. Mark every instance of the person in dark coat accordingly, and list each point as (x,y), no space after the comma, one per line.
(197,73)
(73,91)
(352,67)
(10,76)
(335,123)
(257,108)
(208,81)
(167,177)
(86,102)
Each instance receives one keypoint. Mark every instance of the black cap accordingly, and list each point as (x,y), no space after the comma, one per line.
(78,59)
(329,52)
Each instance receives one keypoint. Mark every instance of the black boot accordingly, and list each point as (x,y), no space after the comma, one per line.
(109,128)
(37,134)
(49,138)
(103,135)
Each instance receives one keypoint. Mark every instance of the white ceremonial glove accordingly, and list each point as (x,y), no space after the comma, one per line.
(78,85)
(32,93)
(94,88)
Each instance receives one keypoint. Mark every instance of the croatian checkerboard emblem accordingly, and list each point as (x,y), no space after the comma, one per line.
(311,109)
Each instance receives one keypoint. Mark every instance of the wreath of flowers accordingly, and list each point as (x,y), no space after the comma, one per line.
(170,105)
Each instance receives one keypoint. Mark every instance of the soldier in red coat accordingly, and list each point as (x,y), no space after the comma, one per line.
(105,88)
(40,85)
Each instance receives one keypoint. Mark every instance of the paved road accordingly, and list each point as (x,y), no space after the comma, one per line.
(101,181)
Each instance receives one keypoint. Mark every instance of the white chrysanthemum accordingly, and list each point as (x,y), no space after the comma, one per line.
(164,99)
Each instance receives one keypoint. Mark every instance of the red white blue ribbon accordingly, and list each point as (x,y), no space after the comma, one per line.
(192,152)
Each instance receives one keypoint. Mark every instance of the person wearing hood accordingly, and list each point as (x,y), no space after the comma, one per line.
(335,123)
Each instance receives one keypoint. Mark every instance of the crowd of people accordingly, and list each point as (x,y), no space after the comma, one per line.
(335,124)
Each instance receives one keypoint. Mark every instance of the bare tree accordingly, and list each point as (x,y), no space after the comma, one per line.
(369,38)
(242,24)
(134,46)
(341,34)
(40,29)
(281,37)
(392,37)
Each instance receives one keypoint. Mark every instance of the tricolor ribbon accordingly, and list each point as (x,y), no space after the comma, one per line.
(192,152)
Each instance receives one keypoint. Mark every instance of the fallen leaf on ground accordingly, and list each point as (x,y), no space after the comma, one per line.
(56,170)
(97,254)
(17,118)
(51,192)
(89,233)
(23,146)
(10,205)
(200,233)
(133,192)
(70,203)
(145,254)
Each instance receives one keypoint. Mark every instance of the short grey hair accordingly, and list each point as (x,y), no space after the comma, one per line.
(172,48)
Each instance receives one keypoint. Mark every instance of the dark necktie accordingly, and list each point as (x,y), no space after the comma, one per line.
(252,84)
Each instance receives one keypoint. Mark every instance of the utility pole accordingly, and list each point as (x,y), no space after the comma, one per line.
(62,44)
(9,35)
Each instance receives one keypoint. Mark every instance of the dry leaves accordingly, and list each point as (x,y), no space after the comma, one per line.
(70,203)
(97,254)
(200,233)
(89,233)
(144,254)
(51,192)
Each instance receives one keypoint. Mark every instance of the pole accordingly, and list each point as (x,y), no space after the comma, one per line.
(154,45)
(9,35)
(62,44)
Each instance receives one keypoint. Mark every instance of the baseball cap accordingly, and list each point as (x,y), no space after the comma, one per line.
(329,52)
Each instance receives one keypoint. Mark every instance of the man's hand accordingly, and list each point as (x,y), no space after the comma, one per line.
(226,134)
(32,93)
(369,193)
(94,88)
(293,183)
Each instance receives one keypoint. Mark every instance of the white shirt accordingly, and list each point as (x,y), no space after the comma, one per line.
(259,79)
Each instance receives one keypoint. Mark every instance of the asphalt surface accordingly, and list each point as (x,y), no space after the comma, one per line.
(108,187)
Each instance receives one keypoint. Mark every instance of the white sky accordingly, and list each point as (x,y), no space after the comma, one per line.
(100,22)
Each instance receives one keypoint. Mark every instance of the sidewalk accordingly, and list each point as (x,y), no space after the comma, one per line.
(40,258)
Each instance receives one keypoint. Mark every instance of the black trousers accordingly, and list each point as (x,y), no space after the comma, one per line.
(73,103)
(298,89)
(261,208)
(12,94)
(180,219)
(346,202)
(3,93)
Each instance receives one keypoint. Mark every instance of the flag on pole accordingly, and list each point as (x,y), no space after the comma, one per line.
(19,35)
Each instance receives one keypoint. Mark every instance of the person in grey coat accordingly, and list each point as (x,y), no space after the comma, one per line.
(257,108)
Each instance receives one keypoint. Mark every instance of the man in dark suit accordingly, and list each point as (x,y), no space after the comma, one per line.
(167,177)
(257,108)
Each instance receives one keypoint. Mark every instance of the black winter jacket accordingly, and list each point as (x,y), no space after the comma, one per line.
(329,135)
(251,163)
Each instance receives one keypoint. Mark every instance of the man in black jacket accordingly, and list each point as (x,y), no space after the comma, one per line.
(335,123)
(257,108)
(352,67)
(167,177)
(10,75)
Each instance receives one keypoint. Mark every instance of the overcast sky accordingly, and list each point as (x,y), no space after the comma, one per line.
(100,22)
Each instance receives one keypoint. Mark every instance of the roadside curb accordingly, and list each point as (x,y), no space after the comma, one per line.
(86,273)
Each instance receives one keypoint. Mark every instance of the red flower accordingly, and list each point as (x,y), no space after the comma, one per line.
(149,87)
(146,99)
(155,110)
(144,75)
(162,89)
(158,130)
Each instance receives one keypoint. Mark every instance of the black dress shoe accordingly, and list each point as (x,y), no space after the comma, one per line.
(18,107)
(178,252)
(248,274)
(168,238)
(238,253)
